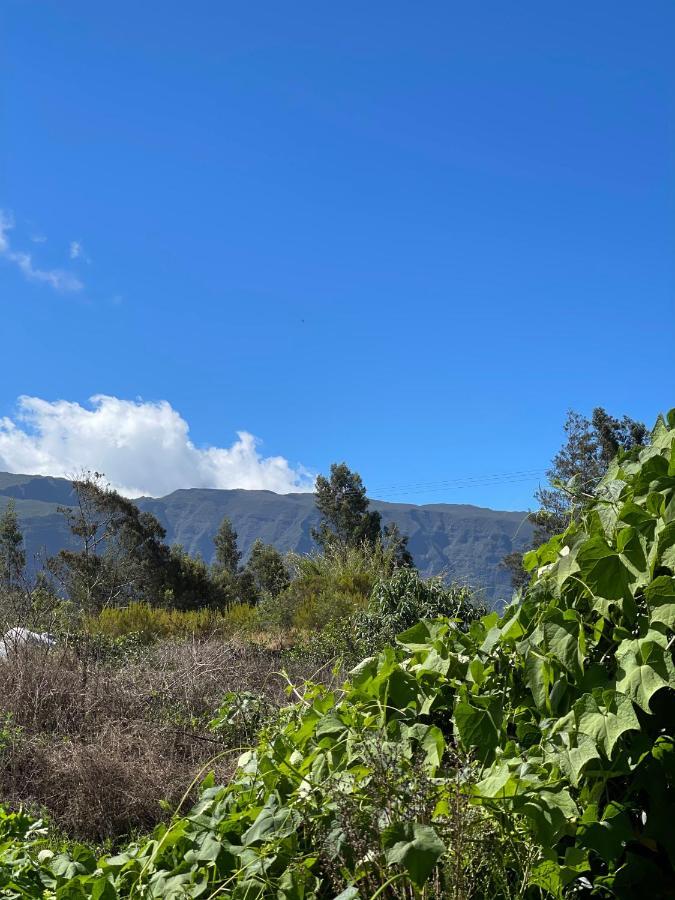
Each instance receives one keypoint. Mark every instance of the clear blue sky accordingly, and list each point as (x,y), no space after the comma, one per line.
(409,236)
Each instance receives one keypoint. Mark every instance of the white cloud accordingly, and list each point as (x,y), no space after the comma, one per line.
(76,251)
(56,278)
(142,447)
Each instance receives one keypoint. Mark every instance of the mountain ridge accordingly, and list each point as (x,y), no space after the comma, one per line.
(462,542)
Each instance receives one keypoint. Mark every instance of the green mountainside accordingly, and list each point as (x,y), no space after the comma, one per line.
(463,542)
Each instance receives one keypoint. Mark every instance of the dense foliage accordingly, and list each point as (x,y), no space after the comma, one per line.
(580,465)
(545,735)
(347,520)
(398,599)
(574,475)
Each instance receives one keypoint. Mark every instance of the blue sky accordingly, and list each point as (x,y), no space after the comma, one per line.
(407,236)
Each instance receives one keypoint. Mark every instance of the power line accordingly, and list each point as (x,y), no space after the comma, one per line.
(524,473)
(466,481)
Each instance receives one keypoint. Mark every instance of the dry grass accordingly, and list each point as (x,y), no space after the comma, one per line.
(105,748)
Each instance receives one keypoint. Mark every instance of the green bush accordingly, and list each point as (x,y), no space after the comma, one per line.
(396,603)
(399,602)
(150,623)
(241,717)
(363,564)
(326,588)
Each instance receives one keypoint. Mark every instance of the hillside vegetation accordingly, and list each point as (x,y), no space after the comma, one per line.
(530,754)
(465,543)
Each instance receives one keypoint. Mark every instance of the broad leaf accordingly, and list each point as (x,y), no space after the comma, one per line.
(418,853)
(605,722)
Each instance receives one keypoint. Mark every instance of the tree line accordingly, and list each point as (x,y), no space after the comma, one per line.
(119,553)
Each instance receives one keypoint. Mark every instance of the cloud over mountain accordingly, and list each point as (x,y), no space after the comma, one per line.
(142,447)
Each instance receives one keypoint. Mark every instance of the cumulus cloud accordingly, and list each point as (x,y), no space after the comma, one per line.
(55,278)
(143,448)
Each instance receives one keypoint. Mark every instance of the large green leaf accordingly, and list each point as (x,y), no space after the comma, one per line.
(665,553)
(606,721)
(550,813)
(562,640)
(644,667)
(478,726)
(603,570)
(418,851)
(572,760)
(660,596)
(273,822)
(539,678)
(608,834)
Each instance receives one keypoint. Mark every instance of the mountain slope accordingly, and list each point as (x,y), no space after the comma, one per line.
(462,542)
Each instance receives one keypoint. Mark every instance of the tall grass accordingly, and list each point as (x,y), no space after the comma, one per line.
(362,562)
(150,623)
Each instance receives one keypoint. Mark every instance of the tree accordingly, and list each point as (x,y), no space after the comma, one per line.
(237,584)
(342,502)
(579,466)
(396,543)
(122,554)
(513,563)
(12,552)
(574,475)
(190,585)
(245,587)
(227,553)
(268,569)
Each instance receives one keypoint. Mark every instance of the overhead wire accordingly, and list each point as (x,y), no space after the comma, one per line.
(450,484)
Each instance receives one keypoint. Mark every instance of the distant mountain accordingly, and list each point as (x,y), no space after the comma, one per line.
(464,543)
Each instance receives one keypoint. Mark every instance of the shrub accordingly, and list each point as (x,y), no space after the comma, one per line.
(106,742)
(327,587)
(241,717)
(240,619)
(363,564)
(396,603)
(399,602)
(150,623)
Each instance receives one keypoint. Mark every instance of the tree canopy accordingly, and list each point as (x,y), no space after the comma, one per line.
(575,473)
(341,499)
(268,569)
(12,553)
(228,554)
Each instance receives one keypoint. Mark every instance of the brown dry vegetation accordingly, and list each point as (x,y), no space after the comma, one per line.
(106,748)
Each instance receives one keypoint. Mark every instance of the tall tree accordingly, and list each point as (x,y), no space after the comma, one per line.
(268,569)
(580,465)
(574,475)
(189,583)
(121,555)
(12,552)
(227,552)
(235,583)
(513,563)
(341,499)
